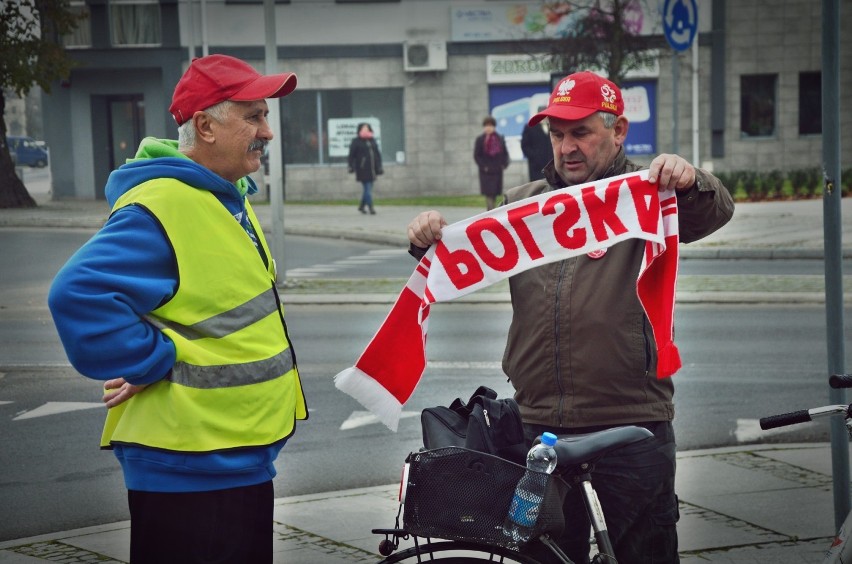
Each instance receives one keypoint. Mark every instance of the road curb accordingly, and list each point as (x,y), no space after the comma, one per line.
(504,298)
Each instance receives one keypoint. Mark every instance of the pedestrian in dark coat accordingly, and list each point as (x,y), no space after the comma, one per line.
(492,157)
(365,161)
(535,145)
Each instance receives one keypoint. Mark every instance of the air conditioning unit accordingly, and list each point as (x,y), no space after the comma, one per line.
(424,56)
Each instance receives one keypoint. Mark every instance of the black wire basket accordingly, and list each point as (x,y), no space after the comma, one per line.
(459,494)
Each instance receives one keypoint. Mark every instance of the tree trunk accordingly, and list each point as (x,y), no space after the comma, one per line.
(13,193)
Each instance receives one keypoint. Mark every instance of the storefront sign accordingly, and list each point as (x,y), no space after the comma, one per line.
(520,69)
(514,21)
(341,132)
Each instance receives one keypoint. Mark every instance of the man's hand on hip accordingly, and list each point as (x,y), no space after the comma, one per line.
(118,391)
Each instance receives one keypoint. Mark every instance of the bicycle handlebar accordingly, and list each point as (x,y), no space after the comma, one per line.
(803,416)
(840,381)
(774,421)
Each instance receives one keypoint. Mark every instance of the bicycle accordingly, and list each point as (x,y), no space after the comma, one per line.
(840,551)
(461,498)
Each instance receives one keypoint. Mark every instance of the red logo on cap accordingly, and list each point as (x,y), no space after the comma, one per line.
(609,96)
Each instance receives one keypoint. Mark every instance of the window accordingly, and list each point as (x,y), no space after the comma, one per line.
(82,35)
(135,22)
(318,125)
(757,105)
(810,103)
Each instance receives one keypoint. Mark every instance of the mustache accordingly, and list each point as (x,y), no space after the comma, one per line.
(259,145)
(573,157)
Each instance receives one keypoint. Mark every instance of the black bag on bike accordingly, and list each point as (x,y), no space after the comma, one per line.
(484,423)
(460,494)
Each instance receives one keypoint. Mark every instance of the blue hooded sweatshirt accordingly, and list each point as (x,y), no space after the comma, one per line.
(125,271)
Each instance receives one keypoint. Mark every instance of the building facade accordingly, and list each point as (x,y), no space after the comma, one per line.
(426,72)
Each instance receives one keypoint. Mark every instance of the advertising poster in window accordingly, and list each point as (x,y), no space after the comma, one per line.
(513,105)
(514,21)
(640,107)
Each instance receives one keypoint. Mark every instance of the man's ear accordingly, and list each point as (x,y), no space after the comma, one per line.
(204,126)
(620,129)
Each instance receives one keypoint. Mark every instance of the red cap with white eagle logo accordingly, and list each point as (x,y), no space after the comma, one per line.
(579,95)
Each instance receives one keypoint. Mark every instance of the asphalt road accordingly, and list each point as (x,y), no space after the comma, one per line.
(741,363)
(735,372)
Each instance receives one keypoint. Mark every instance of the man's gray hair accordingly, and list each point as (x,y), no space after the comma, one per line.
(186,132)
(608,119)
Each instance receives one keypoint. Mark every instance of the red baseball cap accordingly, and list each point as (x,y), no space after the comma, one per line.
(579,95)
(215,78)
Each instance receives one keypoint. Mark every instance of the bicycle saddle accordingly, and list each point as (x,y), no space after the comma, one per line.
(574,450)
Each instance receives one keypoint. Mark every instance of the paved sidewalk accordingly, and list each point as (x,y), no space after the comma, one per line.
(788,229)
(749,504)
(752,504)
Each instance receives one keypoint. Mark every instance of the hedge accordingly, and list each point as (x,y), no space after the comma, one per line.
(802,183)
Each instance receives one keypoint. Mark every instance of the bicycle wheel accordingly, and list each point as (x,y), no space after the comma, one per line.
(457,552)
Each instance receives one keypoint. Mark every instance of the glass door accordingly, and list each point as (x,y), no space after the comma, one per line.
(126,127)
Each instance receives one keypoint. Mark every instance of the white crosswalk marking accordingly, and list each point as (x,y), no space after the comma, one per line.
(56,407)
(375,256)
(363,418)
(389,252)
(366,259)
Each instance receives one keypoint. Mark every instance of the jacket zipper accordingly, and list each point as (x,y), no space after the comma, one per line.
(559,279)
(648,354)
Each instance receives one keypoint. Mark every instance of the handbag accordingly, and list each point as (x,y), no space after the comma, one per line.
(485,424)
(461,494)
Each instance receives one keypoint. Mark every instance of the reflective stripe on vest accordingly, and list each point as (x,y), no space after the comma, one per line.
(224,323)
(234,383)
(219,326)
(209,377)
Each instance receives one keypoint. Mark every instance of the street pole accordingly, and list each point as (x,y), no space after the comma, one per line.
(190,36)
(675,99)
(205,46)
(696,155)
(833,247)
(276,186)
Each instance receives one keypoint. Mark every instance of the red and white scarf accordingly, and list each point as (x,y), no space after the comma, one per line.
(492,246)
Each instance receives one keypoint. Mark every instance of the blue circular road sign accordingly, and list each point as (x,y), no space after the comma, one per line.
(680,23)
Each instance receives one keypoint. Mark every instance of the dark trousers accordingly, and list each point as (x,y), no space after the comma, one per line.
(635,485)
(232,526)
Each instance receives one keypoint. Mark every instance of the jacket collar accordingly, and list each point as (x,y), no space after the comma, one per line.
(617,167)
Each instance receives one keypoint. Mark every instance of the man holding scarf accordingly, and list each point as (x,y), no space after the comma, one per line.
(580,350)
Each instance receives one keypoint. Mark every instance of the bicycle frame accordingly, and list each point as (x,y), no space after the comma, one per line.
(429,548)
(840,551)
(576,455)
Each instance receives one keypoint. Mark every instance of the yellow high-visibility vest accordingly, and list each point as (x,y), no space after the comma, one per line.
(235,382)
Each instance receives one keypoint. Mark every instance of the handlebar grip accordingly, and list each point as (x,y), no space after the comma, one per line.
(840,381)
(773,421)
